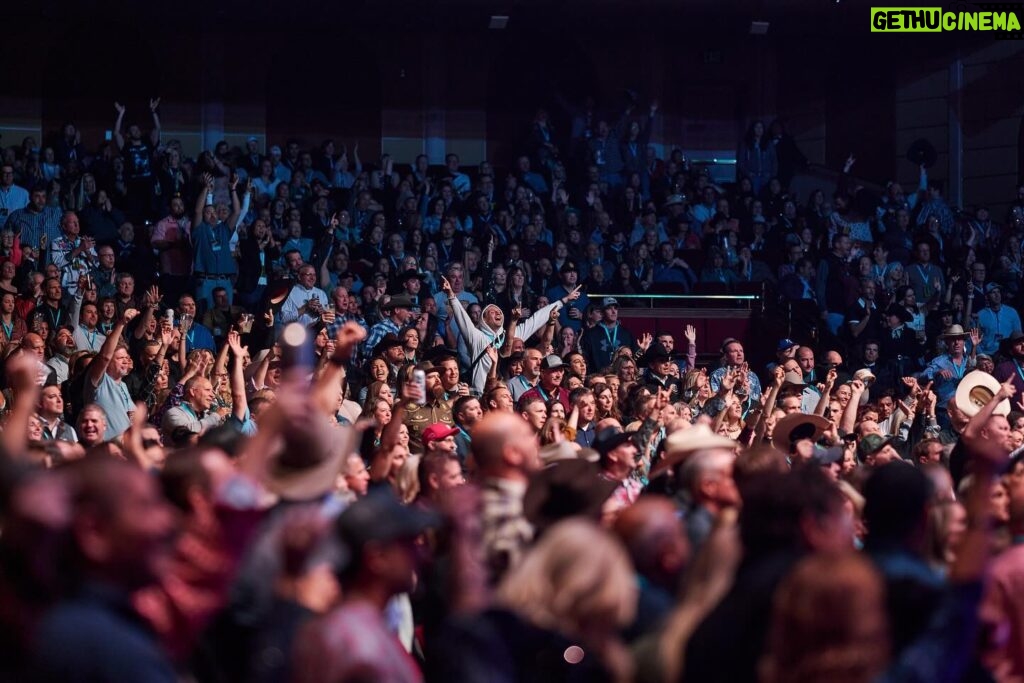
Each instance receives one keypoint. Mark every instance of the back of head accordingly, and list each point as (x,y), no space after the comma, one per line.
(577,576)
(896,496)
(828,623)
(774,505)
(490,438)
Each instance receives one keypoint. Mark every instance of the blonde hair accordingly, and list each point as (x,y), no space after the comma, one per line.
(576,578)
(406,482)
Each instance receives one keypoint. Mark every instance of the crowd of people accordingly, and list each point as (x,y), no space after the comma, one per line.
(283,415)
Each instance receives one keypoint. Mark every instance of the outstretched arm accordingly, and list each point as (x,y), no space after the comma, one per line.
(236,206)
(154,134)
(239,402)
(118,137)
(99,364)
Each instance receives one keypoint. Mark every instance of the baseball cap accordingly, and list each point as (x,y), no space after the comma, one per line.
(610,438)
(275,150)
(991,287)
(609,301)
(438,431)
(786,344)
(551,362)
(379,516)
(569,267)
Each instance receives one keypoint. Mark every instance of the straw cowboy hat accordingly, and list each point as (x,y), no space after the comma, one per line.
(975,390)
(680,444)
(795,427)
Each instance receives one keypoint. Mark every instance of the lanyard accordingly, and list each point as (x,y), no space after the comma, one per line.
(91,337)
(8,330)
(543,394)
(612,338)
(959,371)
(1020,372)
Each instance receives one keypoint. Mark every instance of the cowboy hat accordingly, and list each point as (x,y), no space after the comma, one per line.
(865,375)
(975,390)
(955,332)
(566,488)
(895,309)
(1006,345)
(305,465)
(797,426)
(679,444)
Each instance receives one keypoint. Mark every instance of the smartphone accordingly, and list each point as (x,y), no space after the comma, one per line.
(419,378)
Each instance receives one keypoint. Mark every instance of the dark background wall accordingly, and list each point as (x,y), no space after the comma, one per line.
(407,78)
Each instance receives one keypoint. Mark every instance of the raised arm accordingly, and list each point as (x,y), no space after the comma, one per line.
(154,133)
(22,373)
(849,420)
(118,137)
(239,402)
(202,197)
(510,334)
(236,205)
(823,400)
(99,364)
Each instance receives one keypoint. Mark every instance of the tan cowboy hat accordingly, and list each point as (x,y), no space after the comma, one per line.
(865,375)
(805,426)
(954,331)
(679,444)
(975,390)
(305,465)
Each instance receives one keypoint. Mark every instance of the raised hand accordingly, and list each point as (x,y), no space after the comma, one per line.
(234,341)
(446,287)
(153,296)
(779,376)
(976,337)
(129,315)
(119,107)
(208,181)
(857,386)
(830,378)
(348,337)
(516,314)
(645,341)
(1006,390)
(335,222)
(574,294)
(691,334)
(153,104)
(492,353)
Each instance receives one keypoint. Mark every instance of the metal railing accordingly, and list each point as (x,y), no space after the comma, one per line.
(748,301)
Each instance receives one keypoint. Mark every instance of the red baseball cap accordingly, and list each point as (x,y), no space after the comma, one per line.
(438,431)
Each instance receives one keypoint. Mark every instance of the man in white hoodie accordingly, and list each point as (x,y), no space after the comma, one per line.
(491,333)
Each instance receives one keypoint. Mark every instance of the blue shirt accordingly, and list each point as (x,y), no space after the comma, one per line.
(556,293)
(211,245)
(996,326)
(944,388)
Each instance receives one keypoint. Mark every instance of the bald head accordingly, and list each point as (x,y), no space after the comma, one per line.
(504,447)
(34,344)
(655,538)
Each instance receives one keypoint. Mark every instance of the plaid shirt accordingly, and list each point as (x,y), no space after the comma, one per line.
(506,533)
(377,333)
(339,320)
(31,226)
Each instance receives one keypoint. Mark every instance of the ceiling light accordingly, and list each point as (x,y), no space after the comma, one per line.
(498,22)
(759,28)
